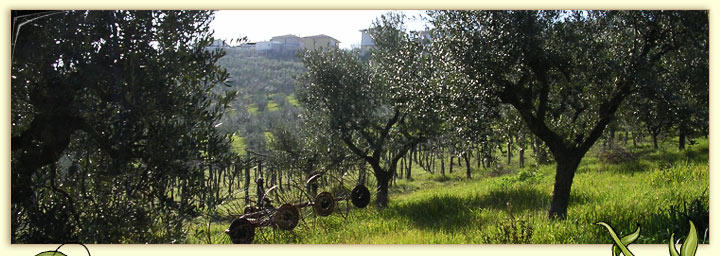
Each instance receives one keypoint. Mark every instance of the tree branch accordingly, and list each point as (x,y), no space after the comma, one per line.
(377,148)
(348,141)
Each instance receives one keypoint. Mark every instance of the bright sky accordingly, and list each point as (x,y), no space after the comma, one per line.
(261,25)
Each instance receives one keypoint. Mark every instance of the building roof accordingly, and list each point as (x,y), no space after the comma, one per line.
(322,36)
(288,35)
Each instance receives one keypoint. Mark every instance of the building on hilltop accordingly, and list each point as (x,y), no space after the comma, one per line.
(280,46)
(366,42)
(248,46)
(288,43)
(218,44)
(267,46)
(321,41)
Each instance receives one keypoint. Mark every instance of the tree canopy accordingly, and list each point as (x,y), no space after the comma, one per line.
(119,103)
(566,72)
(376,107)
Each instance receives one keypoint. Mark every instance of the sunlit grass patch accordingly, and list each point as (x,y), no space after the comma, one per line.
(272,106)
(292,100)
(238,144)
(252,109)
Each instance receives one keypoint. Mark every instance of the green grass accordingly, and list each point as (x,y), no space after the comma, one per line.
(268,137)
(292,100)
(512,208)
(252,109)
(272,106)
(238,144)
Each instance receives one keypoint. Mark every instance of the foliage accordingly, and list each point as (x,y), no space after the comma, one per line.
(695,211)
(678,98)
(524,175)
(369,106)
(615,155)
(113,125)
(265,89)
(566,72)
(299,151)
(515,230)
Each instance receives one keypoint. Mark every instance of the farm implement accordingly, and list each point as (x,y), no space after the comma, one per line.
(286,217)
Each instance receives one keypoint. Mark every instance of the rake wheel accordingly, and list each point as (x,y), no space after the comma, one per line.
(241,231)
(360,196)
(324,204)
(286,217)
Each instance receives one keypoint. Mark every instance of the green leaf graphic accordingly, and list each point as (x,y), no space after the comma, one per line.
(51,253)
(626,240)
(689,247)
(673,250)
(617,240)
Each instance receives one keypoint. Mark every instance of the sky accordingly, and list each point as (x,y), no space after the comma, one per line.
(261,25)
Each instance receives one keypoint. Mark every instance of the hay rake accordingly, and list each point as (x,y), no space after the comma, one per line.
(286,217)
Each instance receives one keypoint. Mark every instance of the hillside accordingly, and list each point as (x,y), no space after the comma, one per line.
(265,96)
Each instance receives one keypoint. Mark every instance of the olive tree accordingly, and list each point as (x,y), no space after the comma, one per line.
(565,72)
(113,125)
(368,104)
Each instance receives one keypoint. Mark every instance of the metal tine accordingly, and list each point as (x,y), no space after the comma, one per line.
(312,178)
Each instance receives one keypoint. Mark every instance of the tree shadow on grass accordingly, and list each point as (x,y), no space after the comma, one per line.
(451,212)
(646,159)
(696,155)
(629,167)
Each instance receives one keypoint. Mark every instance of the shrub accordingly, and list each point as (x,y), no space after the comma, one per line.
(514,230)
(499,170)
(616,155)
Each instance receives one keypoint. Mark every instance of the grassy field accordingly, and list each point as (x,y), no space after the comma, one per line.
(623,188)
(238,144)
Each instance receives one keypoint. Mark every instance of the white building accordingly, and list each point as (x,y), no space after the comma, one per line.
(218,44)
(266,46)
(289,43)
(321,41)
(366,42)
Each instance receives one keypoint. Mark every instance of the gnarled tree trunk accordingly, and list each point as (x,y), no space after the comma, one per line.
(567,164)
